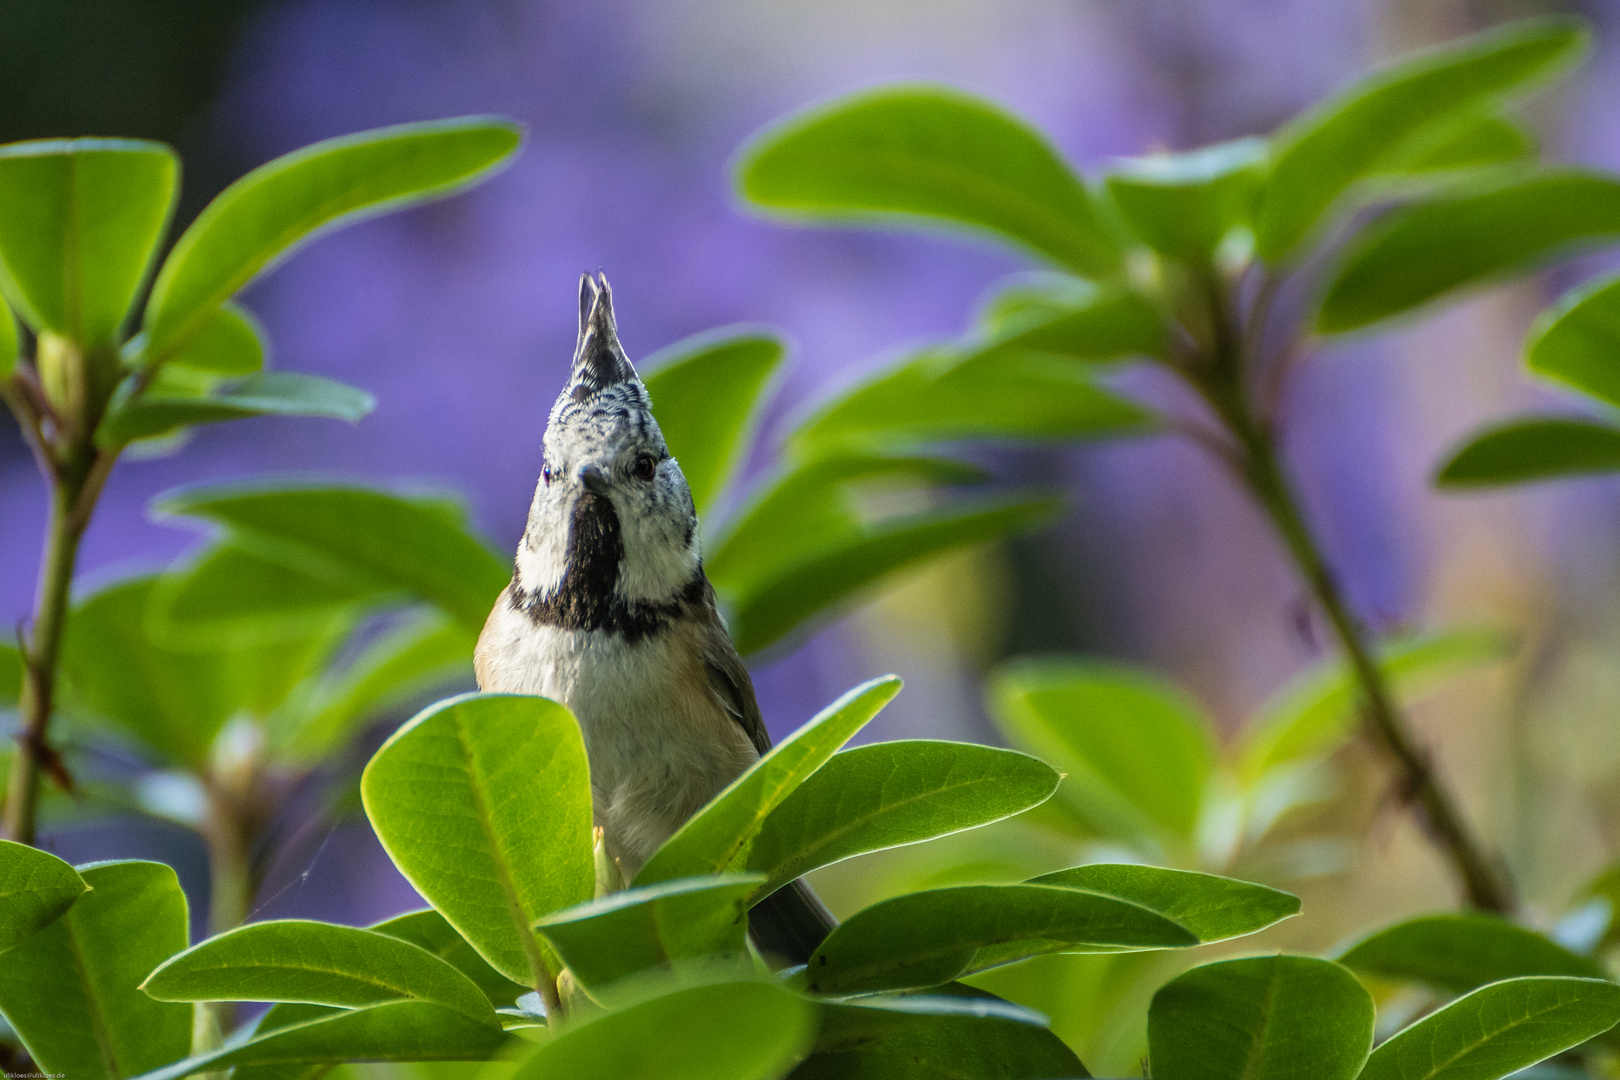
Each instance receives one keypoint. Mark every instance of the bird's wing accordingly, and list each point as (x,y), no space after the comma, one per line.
(729,680)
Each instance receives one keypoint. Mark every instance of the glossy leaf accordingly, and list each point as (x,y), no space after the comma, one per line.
(1485,138)
(1457,953)
(427,929)
(82,221)
(264,216)
(396,1031)
(1263,1018)
(484,804)
(653,928)
(70,989)
(363,536)
(1422,252)
(1316,713)
(717,838)
(723,1031)
(1536,448)
(1497,1030)
(927,1037)
(1324,151)
(1209,907)
(707,392)
(268,393)
(1577,341)
(1136,752)
(927,938)
(35,889)
(934,153)
(801,592)
(1181,205)
(316,963)
(890,794)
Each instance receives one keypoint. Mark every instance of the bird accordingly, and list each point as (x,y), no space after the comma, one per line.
(609,612)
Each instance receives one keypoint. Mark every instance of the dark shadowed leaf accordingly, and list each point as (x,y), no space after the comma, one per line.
(1421,252)
(1577,341)
(653,928)
(267,393)
(315,963)
(927,938)
(934,153)
(717,838)
(1135,750)
(82,221)
(724,1031)
(35,889)
(1323,152)
(367,537)
(1538,448)
(265,215)
(707,393)
(928,1037)
(1456,953)
(1263,1018)
(428,929)
(1209,907)
(70,990)
(893,793)
(1497,1030)
(1181,205)
(483,802)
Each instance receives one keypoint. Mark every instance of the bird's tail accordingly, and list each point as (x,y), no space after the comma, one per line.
(790,923)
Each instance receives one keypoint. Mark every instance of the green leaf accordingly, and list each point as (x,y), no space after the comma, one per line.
(724,1031)
(1485,138)
(267,214)
(1577,341)
(484,804)
(82,221)
(1181,205)
(427,929)
(717,838)
(366,537)
(70,989)
(11,676)
(1264,1018)
(1456,953)
(707,392)
(268,393)
(926,1037)
(890,794)
(397,1031)
(1136,751)
(35,889)
(1475,234)
(824,579)
(653,928)
(1322,153)
(1497,1030)
(229,341)
(8,342)
(1209,907)
(316,963)
(1535,448)
(934,153)
(927,938)
(1314,714)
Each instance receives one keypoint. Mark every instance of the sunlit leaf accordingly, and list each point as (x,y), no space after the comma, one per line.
(1210,907)
(428,929)
(1497,1030)
(1323,152)
(82,221)
(484,804)
(35,889)
(229,342)
(8,342)
(265,215)
(1263,1018)
(934,153)
(1181,205)
(70,989)
(1459,952)
(1577,341)
(707,393)
(1469,236)
(1486,138)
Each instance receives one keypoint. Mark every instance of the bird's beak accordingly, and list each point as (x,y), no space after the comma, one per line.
(594,480)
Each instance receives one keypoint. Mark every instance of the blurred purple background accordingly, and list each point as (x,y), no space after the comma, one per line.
(460,316)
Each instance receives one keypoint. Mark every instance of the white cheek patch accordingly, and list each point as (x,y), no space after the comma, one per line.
(543,555)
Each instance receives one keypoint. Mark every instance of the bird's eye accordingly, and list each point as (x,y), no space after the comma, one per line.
(645,468)
(545,473)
